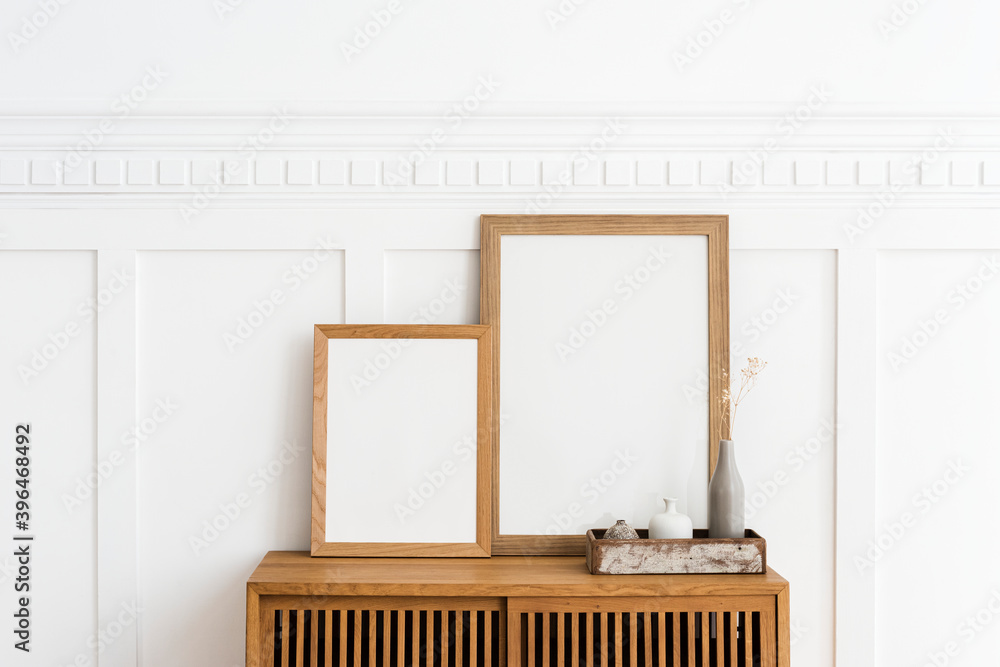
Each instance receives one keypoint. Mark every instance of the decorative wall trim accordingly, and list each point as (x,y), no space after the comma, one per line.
(282,154)
(278,174)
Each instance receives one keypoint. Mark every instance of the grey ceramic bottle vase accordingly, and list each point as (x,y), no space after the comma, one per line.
(726,496)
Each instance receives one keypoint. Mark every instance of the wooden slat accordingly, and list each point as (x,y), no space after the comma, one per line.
(705,633)
(691,633)
(255,626)
(502,649)
(300,637)
(618,640)
(343,638)
(604,640)
(400,638)
(445,636)
(358,616)
(677,638)
(473,638)
(386,638)
(768,639)
(662,626)
(284,637)
(415,642)
(372,636)
(734,619)
(314,639)
(783,630)
(720,639)
(561,639)
(574,633)
(268,638)
(633,639)
(531,640)
(513,635)
(590,639)
(648,633)
(748,637)
(546,641)
(488,639)
(459,629)
(429,647)
(328,646)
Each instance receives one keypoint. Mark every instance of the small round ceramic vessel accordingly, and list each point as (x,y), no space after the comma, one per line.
(620,531)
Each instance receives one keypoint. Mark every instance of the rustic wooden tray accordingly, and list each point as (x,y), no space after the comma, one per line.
(699,555)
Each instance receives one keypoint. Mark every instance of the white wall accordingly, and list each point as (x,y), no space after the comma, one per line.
(190,210)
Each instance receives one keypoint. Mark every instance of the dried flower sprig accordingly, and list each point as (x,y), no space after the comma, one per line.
(747,381)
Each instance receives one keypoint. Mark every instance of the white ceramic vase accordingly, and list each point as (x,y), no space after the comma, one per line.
(671,524)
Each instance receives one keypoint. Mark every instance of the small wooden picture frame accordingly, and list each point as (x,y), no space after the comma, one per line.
(402,441)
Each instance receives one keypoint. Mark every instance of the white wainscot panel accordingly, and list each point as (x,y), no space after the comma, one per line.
(935,558)
(48,357)
(225,342)
(783,309)
(432,286)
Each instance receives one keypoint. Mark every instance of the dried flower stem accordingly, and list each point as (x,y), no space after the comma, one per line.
(748,380)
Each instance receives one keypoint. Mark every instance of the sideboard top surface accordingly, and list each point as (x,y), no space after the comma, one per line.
(296,573)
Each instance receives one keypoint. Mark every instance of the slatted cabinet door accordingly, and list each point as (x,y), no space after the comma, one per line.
(709,631)
(335,631)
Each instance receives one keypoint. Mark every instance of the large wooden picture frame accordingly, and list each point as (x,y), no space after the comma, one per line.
(401,430)
(705,237)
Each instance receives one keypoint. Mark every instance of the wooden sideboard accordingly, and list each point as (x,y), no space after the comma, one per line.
(522,611)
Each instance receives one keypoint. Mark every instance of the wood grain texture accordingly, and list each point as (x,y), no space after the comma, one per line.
(514,635)
(300,637)
(704,639)
(321,545)
(285,627)
(255,633)
(590,639)
(648,633)
(521,591)
(343,636)
(314,639)
(677,639)
(734,619)
(320,367)
(444,638)
(474,639)
(429,645)
(295,573)
(531,642)
(358,635)
(619,646)
(386,636)
(415,625)
(488,637)
(400,637)
(493,227)
(691,617)
(623,604)
(268,648)
(328,646)
(784,627)
(633,646)
(561,639)
(768,638)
